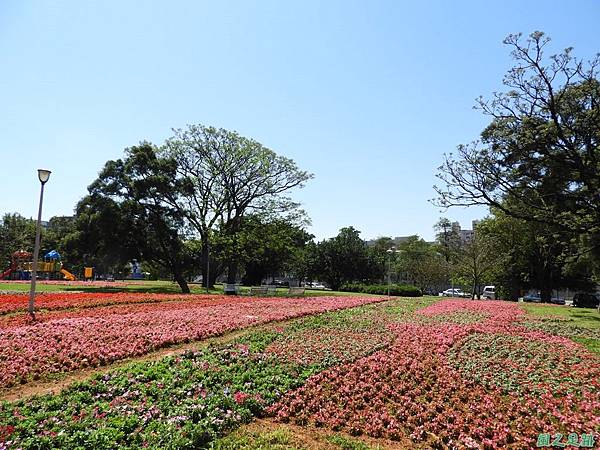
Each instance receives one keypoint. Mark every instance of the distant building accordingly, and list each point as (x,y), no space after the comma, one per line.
(466,236)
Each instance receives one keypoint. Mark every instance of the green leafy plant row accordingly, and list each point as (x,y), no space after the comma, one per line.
(398,290)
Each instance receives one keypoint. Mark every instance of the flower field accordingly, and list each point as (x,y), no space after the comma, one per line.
(487,384)
(12,303)
(67,340)
(422,372)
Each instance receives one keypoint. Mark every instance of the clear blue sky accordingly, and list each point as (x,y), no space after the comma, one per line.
(366,95)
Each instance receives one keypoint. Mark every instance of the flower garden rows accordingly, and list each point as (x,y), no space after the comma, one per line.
(491,385)
(69,340)
(454,374)
(190,400)
(13,303)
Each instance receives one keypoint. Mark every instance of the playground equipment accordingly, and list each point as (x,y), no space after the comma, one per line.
(22,264)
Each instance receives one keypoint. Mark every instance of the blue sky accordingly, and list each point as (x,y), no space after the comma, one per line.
(367,95)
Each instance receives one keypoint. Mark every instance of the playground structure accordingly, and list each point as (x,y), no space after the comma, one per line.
(22,265)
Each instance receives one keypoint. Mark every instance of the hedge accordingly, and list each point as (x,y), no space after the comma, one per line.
(403,290)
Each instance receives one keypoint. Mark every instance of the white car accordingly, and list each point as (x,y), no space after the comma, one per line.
(489,292)
(454,293)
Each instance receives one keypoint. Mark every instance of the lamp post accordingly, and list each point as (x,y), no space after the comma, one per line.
(207,266)
(389,252)
(43,176)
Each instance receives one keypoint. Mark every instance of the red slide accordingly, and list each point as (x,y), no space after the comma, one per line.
(6,273)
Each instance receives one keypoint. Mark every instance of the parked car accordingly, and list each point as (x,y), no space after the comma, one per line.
(489,292)
(557,300)
(314,285)
(535,298)
(585,300)
(454,293)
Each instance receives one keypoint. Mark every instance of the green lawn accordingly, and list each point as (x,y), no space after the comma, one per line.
(579,324)
(157,287)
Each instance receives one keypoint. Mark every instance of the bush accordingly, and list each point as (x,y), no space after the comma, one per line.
(402,290)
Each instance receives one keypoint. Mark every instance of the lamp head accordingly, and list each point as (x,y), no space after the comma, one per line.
(43,175)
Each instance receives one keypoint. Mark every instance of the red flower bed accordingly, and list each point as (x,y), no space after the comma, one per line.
(65,341)
(445,384)
(10,303)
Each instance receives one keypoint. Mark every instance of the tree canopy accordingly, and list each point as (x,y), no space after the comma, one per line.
(538,160)
(220,177)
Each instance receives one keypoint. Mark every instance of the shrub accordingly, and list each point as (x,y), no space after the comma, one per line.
(402,290)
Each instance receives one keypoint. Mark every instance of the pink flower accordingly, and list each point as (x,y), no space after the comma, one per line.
(240,397)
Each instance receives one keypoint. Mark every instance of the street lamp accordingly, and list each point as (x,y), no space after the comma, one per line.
(389,252)
(43,176)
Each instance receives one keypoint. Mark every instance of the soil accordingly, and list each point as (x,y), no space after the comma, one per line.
(312,438)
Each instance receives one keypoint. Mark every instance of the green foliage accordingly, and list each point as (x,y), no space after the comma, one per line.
(345,258)
(268,246)
(476,262)
(448,240)
(221,177)
(538,159)
(125,215)
(400,290)
(421,263)
(16,233)
(532,255)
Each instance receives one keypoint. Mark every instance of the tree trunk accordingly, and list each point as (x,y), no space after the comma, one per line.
(206,275)
(546,294)
(185,289)
(232,269)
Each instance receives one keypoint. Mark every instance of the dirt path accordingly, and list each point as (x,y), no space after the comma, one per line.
(311,438)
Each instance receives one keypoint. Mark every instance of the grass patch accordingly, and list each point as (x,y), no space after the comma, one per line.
(157,287)
(593,345)
(264,435)
(581,325)
(347,443)
(582,317)
(255,440)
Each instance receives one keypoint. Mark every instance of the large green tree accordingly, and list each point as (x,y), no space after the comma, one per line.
(421,263)
(344,258)
(539,158)
(125,215)
(532,255)
(476,262)
(221,177)
(269,247)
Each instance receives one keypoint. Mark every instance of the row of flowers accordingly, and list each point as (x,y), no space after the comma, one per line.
(80,305)
(485,384)
(98,336)
(457,374)
(189,400)
(11,303)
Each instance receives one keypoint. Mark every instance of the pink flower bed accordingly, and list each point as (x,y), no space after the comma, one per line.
(66,341)
(446,385)
(10,303)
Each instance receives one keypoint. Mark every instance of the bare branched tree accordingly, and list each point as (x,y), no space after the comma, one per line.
(541,149)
